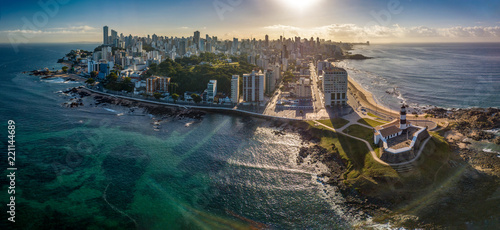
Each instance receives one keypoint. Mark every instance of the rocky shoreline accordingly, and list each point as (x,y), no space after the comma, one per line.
(479,168)
(473,177)
(78,94)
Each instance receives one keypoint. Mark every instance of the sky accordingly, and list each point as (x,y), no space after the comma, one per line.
(377,21)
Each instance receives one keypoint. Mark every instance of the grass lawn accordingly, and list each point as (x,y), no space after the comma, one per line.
(361,132)
(362,168)
(336,123)
(370,122)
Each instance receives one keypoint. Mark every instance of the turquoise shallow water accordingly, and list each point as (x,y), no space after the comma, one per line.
(89,167)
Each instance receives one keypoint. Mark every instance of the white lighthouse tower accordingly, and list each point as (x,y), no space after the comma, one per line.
(402,120)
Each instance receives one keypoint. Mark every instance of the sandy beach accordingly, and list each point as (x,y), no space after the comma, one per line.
(365,99)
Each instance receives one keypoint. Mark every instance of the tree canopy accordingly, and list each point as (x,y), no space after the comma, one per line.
(191,76)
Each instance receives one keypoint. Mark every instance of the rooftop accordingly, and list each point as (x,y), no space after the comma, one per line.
(403,140)
(389,131)
(334,69)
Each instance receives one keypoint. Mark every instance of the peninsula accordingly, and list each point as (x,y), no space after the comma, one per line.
(384,161)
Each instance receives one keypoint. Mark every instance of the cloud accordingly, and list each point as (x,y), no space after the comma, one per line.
(66,30)
(355,32)
(283,28)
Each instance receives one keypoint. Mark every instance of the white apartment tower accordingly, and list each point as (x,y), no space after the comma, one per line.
(335,86)
(254,85)
(235,89)
(211,90)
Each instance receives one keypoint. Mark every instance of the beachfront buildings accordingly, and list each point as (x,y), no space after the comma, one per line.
(157,84)
(322,65)
(235,89)
(211,90)
(254,86)
(335,86)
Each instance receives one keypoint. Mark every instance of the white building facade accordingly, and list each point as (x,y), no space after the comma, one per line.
(254,86)
(335,86)
(235,89)
(211,90)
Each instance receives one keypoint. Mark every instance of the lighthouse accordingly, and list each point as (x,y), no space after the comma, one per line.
(402,120)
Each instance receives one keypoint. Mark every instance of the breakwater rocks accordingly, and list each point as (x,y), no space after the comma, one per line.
(78,93)
(473,122)
(356,57)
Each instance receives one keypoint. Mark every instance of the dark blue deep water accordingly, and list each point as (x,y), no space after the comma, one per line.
(445,75)
(101,168)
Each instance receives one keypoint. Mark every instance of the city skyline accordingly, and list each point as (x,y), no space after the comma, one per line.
(352,21)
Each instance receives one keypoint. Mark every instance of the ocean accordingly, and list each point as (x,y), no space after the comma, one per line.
(99,167)
(456,75)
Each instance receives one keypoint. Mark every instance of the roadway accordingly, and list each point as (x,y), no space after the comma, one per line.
(316,93)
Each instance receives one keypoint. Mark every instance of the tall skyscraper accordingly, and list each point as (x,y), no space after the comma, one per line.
(114,37)
(235,89)
(196,39)
(235,45)
(182,47)
(267,40)
(105,35)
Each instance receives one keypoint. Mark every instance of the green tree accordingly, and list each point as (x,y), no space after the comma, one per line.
(112,77)
(65,69)
(93,74)
(196,98)
(90,81)
(175,97)
(157,95)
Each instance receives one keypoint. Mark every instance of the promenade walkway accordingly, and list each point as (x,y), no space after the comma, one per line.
(207,108)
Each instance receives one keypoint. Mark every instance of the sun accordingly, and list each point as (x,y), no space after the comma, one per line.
(299,4)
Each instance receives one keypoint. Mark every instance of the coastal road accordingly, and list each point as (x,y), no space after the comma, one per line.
(318,100)
(271,106)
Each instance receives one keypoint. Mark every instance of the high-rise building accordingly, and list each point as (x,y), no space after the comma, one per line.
(267,41)
(322,65)
(105,35)
(335,86)
(211,90)
(254,85)
(114,38)
(196,39)
(235,45)
(182,47)
(235,89)
(157,84)
(270,81)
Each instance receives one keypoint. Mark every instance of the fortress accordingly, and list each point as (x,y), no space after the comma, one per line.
(399,142)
